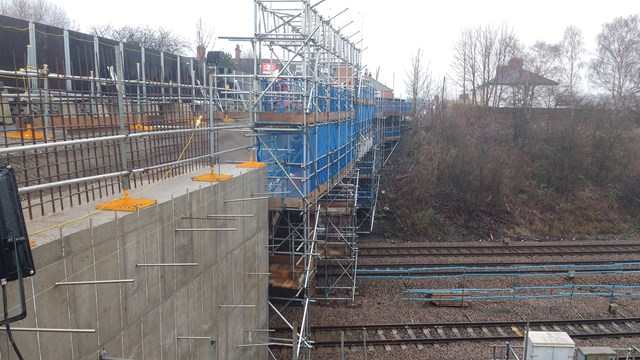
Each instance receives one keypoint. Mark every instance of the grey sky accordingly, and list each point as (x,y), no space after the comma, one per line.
(392,30)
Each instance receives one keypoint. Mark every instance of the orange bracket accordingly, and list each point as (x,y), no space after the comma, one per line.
(212,177)
(28,133)
(139,127)
(251,164)
(126,204)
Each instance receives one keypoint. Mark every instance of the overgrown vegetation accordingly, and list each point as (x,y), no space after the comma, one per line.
(462,175)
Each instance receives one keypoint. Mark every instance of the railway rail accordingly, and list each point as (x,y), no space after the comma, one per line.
(499,250)
(434,333)
(479,268)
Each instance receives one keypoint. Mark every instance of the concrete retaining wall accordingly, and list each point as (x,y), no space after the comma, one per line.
(144,319)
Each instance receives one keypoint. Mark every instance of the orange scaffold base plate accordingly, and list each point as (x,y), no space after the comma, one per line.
(27,134)
(126,204)
(251,164)
(212,177)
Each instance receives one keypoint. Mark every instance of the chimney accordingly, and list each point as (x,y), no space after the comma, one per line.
(238,54)
(200,53)
(516,63)
(501,69)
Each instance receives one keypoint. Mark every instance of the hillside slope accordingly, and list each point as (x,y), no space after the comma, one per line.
(465,175)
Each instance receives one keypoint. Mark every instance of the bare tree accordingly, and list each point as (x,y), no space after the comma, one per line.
(616,66)
(247,53)
(204,35)
(543,59)
(159,39)
(418,83)
(465,64)
(571,51)
(476,56)
(41,11)
(507,46)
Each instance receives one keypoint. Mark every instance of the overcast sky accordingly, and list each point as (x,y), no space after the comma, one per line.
(392,30)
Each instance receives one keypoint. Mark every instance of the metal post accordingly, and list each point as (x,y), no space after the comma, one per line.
(53,330)
(143,61)
(364,341)
(162,76)
(32,60)
(294,355)
(96,64)
(254,87)
(94,282)
(138,103)
(124,148)
(45,99)
(212,116)
(179,81)
(168,264)
(341,345)
(67,59)
(193,85)
(526,339)
(209,229)
(247,199)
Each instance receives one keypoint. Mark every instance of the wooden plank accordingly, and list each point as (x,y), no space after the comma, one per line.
(441,332)
(588,329)
(413,336)
(501,331)
(603,328)
(516,330)
(383,338)
(456,332)
(486,331)
(298,118)
(471,331)
(397,337)
(427,334)
(617,327)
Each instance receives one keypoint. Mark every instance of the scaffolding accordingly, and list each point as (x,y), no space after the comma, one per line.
(312,120)
(394,120)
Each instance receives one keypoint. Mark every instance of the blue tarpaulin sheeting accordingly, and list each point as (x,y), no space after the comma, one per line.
(330,148)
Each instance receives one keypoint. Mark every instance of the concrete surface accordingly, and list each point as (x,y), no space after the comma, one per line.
(143,319)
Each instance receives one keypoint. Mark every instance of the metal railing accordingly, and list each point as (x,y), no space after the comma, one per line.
(106,117)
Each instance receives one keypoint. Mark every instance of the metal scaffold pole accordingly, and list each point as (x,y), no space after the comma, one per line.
(308,120)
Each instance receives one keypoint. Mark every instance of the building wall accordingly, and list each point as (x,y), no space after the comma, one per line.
(143,319)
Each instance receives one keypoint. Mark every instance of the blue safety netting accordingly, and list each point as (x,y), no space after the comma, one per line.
(299,162)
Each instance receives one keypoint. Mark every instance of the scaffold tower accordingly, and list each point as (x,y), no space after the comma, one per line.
(312,121)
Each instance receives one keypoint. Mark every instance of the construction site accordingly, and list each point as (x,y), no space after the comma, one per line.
(177,209)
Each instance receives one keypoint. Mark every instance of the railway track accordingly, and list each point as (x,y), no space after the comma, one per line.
(498,250)
(476,268)
(408,265)
(434,333)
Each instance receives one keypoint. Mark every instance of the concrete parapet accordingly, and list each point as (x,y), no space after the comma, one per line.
(146,319)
